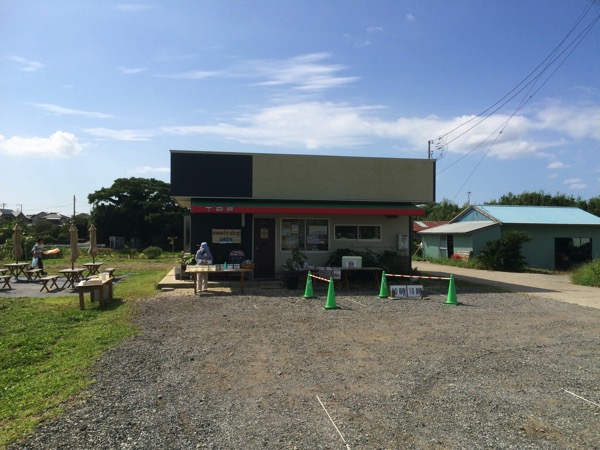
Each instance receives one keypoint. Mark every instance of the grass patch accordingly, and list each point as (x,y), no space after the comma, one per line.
(588,274)
(48,345)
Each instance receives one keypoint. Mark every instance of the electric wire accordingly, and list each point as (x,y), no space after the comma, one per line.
(551,60)
(550,55)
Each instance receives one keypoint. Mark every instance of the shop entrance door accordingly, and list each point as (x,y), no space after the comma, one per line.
(264,248)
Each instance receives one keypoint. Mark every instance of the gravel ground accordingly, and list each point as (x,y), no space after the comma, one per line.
(272,370)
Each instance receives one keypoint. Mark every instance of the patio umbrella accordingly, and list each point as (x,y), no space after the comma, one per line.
(17,250)
(93,251)
(74,248)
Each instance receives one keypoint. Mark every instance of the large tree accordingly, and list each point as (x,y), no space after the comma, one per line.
(139,209)
(443,211)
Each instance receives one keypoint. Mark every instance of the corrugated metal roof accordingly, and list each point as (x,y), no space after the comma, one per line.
(459,228)
(540,215)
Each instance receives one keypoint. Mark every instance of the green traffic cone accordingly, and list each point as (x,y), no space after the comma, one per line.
(308,291)
(451,293)
(330,304)
(384,292)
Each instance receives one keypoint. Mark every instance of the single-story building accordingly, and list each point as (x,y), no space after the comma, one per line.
(562,237)
(265,205)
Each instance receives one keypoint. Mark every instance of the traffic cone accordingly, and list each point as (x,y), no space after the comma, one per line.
(330,304)
(451,293)
(384,292)
(308,291)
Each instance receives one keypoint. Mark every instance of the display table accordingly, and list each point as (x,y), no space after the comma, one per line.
(195,270)
(101,290)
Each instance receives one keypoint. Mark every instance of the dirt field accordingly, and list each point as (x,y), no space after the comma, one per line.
(273,370)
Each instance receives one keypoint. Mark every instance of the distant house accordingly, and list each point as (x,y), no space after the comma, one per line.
(562,237)
(54,217)
(9,215)
(420,225)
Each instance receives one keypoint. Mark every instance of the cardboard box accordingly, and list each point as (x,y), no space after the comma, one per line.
(352,262)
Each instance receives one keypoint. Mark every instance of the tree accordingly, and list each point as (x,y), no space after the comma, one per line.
(539,198)
(444,211)
(137,208)
(505,253)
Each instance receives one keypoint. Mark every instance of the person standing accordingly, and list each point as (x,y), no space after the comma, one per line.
(203,256)
(37,252)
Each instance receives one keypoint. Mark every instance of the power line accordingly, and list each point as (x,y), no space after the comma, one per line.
(553,57)
(512,94)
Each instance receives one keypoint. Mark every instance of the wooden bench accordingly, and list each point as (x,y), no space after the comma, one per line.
(33,274)
(49,279)
(5,279)
(101,291)
(110,271)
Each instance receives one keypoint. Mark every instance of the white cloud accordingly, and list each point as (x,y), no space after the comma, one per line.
(575,183)
(578,122)
(27,65)
(120,135)
(557,165)
(303,73)
(132,70)
(59,144)
(308,125)
(62,111)
(410,17)
(133,7)
(148,169)
(192,75)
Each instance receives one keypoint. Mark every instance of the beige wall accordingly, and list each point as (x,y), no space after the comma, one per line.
(306,177)
(391,227)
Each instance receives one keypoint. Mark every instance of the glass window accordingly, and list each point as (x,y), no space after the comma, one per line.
(346,232)
(358,232)
(309,235)
(369,232)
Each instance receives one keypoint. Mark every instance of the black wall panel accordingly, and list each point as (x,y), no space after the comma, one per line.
(211,175)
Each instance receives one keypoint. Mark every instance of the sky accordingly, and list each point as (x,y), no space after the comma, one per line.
(505,95)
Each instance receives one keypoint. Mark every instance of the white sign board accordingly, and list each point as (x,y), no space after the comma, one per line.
(406,291)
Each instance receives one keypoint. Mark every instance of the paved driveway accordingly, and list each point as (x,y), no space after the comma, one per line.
(556,287)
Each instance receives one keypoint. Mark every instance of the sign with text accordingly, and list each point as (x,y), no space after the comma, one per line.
(406,291)
(221,236)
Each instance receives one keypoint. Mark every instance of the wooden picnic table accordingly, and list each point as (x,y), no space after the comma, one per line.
(17,269)
(93,268)
(72,275)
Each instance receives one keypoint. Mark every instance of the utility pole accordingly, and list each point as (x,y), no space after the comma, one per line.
(429,149)
(469,198)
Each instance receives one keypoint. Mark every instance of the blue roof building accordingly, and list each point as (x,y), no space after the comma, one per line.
(562,237)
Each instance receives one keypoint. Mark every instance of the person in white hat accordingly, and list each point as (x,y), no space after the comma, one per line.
(203,256)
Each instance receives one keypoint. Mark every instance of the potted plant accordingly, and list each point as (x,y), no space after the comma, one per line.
(186,260)
(292,266)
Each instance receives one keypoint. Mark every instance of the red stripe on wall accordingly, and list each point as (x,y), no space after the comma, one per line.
(306,210)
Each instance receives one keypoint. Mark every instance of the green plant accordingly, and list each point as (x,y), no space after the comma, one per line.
(153,252)
(295,261)
(587,274)
(504,253)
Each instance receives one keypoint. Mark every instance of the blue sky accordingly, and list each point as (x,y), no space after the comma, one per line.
(91,91)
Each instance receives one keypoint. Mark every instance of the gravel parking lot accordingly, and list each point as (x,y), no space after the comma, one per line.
(272,370)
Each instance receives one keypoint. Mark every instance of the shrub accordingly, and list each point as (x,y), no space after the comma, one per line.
(587,274)
(504,253)
(153,252)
